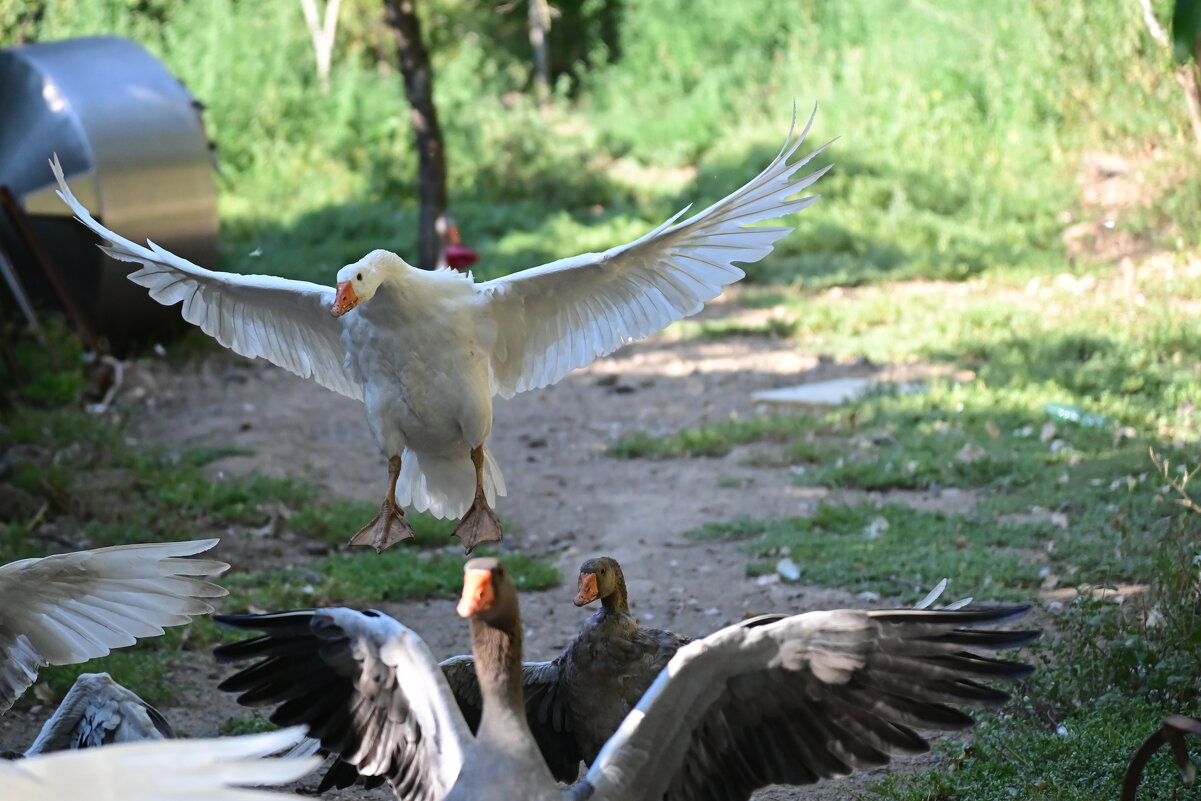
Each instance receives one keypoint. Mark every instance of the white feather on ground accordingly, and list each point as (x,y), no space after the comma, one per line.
(72,607)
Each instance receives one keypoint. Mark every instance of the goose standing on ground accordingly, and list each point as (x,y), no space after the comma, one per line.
(771,700)
(72,607)
(98,711)
(427,351)
(219,769)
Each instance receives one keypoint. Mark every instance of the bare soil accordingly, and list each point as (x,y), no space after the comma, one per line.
(567,500)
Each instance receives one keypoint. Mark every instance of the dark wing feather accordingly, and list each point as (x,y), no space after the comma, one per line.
(795,700)
(339,672)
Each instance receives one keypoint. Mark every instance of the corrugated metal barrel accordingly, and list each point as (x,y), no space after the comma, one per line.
(132,144)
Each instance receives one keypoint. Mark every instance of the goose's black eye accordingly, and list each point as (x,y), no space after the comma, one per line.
(359,277)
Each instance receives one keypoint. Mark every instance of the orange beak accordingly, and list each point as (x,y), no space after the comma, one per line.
(345,300)
(587,591)
(478,595)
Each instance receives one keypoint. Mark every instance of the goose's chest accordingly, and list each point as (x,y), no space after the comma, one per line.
(421,363)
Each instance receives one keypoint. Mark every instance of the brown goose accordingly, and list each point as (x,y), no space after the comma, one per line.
(772,700)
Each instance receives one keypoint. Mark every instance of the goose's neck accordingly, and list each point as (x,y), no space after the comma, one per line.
(618,601)
(498,666)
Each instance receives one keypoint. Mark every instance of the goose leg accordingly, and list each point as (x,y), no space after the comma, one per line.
(480,524)
(389,526)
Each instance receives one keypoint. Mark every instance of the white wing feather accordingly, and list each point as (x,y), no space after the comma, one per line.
(68,608)
(283,321)
(220,769)
(561,316)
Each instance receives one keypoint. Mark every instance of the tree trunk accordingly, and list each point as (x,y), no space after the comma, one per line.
(539,25)
(401,15)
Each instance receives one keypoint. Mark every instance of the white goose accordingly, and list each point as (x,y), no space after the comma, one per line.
(72,607)
(427,351)
(98,711)
(221,769)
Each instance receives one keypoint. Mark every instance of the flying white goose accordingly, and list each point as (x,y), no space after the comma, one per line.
(98,711)
(221,769)
(427,350)
(72,607)
(775,699)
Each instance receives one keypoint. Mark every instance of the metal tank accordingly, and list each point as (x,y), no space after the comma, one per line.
(132,144)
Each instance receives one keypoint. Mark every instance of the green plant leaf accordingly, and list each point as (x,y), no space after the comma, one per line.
(1186,28)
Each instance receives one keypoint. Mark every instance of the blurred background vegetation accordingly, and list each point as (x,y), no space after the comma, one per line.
(962,125)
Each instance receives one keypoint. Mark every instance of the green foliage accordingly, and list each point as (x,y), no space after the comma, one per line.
(962,124)
(712,440)
(143,668)
(1186,29)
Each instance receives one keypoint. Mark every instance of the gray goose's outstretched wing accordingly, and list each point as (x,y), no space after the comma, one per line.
(560,316)
(547,711)
(99,711)
(793,700)
(72,607)
(366,686)
(286,322)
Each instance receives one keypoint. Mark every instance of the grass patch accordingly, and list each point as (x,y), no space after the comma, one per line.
(711,440)
(894,550)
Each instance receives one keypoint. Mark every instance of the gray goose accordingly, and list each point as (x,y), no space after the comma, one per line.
(72,607)
(771,700)
(99,711)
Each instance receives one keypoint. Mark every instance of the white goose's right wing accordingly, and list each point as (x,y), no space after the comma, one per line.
(367,687)
(286,322)
(222,769)
(72,607)
(792,700)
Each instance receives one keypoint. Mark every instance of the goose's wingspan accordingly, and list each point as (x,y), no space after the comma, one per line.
(99,711)
(367,687)
(286,322)
(221,769)
(71,607)
(547,709)
(555,318)
(797,699)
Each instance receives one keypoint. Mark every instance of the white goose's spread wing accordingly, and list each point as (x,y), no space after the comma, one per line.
(286,322)
(99,711)
(220,769)
(791,700)
(72,607)
(555,318)
(366,686)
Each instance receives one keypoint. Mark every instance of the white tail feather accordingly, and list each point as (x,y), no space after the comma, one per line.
(445,487)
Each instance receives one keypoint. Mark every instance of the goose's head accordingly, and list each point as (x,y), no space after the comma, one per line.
(489,595)
(599,578)
(358,282)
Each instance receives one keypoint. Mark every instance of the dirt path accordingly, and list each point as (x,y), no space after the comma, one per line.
(567,500)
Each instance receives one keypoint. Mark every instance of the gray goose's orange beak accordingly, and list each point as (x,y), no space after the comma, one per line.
(345,300)
(478,595)
(587,590)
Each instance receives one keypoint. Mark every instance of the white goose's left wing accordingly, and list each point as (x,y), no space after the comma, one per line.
(792,700)
(561,316)
(222,769)
(72,607)
(286,322)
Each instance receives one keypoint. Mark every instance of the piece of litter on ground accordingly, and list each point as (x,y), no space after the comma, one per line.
(713,610)
(820,393)
(878,525)
(868,596)
(787,569)
(768,578)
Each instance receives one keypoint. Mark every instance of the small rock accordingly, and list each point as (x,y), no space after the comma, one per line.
(868,596)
